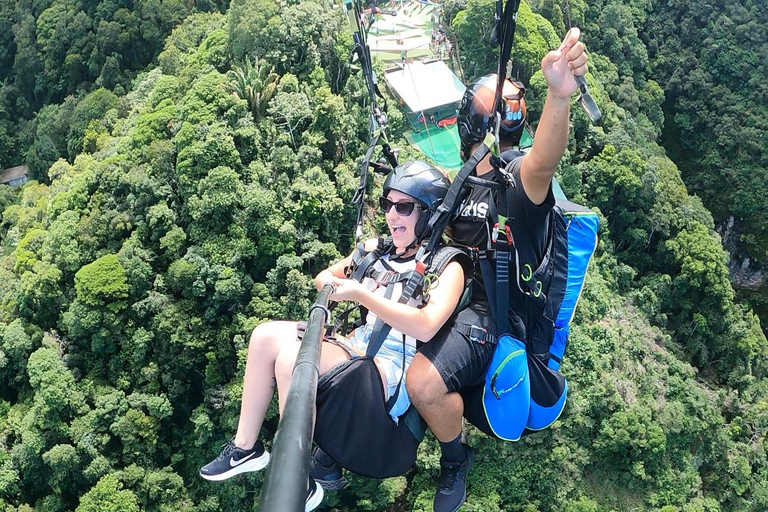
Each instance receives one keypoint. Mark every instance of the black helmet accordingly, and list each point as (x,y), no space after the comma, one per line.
(477,107)
(422,182)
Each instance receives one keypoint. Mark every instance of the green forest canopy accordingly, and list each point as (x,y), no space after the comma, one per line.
(193,169)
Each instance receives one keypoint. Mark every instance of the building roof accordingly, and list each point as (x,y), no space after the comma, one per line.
(424,86)
(13,173)
(397,44)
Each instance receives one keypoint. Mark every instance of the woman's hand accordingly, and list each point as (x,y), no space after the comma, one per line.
(346,289)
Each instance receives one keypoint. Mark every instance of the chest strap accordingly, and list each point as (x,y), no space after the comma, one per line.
(413,283)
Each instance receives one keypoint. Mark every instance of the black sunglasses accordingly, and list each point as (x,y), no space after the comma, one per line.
(404,208)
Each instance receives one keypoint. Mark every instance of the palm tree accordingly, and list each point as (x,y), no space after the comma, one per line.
(255,83)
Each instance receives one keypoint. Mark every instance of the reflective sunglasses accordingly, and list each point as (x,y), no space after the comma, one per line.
(404,208)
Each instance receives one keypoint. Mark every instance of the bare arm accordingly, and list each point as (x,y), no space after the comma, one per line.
(421,323)
(559,67)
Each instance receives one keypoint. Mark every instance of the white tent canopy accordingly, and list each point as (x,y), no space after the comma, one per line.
(424,86)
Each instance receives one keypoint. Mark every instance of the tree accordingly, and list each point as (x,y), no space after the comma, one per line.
(249,20)
(220,196)
(65,467)
(27,66)
(617,184)
(16,346)
(255,83)
(7,198)
(472,27)
(331,119)
(40,297)
(102,284)
(108,496)
(186,38)
(215,50)
(291,108)
(196,159)
(50,128)
(95,319)
(57,397)
(91,108)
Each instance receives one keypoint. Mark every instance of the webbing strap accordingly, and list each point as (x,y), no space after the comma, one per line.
(475,333)
(503,258)
(364,265)
(443,213)
(506,25)
(363,184)
(380,330)
(393,399)
(496,282)
(489,279)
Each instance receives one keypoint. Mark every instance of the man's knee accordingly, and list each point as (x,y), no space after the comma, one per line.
(424,382)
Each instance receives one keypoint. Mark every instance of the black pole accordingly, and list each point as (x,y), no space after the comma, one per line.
(285,484)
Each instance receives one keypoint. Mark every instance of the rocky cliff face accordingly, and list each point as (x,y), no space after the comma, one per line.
(745,273)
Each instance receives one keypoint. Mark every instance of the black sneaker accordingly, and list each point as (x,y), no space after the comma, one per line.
(452,487)
(315,495)
(233,461)
(329,477)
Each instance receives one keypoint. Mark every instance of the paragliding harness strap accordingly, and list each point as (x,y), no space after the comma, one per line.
(524,390)
(361,55)
(475,333)
(415,282)
(455,195)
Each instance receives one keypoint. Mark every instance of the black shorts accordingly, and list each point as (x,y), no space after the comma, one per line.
(474,410)
(460,361)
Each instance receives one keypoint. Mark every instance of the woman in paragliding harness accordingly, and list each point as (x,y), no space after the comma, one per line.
(411,192)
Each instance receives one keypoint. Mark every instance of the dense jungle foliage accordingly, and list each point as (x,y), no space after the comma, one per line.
(194,164)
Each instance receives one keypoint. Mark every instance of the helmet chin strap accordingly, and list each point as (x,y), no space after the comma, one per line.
(412,245)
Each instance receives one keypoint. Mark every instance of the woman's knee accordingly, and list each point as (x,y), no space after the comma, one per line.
(272,335)
(284,363)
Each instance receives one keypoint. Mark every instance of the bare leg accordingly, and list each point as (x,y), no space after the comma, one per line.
(442,410)
(330,356)
(267,340)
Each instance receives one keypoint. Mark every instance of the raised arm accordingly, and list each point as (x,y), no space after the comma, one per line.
(559,67)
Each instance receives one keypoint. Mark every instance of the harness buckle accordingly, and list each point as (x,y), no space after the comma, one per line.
(384,278)
(474,336)
(474,254)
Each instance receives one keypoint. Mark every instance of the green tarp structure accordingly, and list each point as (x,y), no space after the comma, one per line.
(442,146)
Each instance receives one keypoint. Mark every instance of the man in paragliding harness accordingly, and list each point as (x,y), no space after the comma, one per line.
(411,193)
(446,378)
